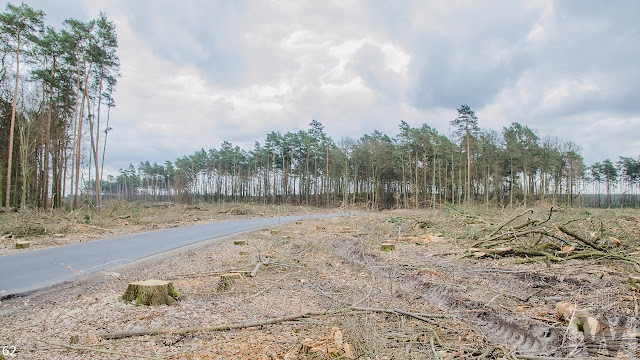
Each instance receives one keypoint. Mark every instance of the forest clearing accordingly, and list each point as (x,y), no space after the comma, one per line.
(465,282)
(505,227)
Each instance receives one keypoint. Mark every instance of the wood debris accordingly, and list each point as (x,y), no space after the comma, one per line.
(329,347)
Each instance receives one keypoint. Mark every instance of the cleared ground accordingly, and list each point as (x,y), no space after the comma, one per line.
(460,284)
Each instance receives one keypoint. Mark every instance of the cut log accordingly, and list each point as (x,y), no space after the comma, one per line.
(591,326)
(565,309)
(567,249)
(240,242)
(614,241)
(387,246)
(227,280)
(276,232)
(254,272)
(337,337)
(349,353)
(499,251)
(151,292)
(23,244)
(588,324)
(434,237)
(298,222)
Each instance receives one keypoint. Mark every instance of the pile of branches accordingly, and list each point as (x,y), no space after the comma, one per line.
(549,240)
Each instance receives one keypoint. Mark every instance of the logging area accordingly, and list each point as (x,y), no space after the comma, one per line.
(450,283)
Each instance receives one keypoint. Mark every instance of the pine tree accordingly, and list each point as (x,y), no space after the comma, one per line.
(18,23)
(467,126)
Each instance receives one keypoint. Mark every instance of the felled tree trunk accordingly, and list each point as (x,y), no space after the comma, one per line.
(151,292)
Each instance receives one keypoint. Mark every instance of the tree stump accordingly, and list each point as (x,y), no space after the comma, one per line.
(22,244)
(227,280)
(387,246)
(151,292)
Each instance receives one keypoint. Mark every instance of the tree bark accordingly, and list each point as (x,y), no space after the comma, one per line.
(13,122)
(469,200)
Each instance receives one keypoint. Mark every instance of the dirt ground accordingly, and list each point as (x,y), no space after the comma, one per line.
(471,283)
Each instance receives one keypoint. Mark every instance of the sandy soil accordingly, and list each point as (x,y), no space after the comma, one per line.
(427,299)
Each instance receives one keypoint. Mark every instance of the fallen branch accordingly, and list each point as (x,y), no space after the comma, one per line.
(254,272)
(259,292)
(412,315)
(213,273)
(499,239)
(433,349)
(223,327)
(244,325)
(510,221)
(373,277)
(579,238)
(499,251)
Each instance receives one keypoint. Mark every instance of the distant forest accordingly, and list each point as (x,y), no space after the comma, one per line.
(56,88)
(418,168)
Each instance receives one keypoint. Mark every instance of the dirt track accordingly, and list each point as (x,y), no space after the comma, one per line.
(489,307)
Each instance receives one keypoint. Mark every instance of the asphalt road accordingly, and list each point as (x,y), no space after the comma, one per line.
(32,270)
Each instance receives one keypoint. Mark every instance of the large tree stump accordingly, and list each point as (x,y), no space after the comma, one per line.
(151,292)
(387,246)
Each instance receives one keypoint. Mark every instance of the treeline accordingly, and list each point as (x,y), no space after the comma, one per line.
(418,168)
(56,88)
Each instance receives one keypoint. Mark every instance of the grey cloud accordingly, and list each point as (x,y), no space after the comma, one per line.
(477,54)
(369,64)
(202,34)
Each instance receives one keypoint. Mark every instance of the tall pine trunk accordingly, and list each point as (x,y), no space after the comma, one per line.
(13,122)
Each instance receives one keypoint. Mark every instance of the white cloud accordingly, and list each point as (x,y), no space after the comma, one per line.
(197,73)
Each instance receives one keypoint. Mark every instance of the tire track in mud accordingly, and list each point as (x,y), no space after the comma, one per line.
(508,330)
(524,335)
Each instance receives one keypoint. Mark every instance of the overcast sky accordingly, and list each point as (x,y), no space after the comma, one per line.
(195,73)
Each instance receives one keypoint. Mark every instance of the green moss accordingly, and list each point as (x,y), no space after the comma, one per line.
(224,284)
(387,247)
(151,294)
